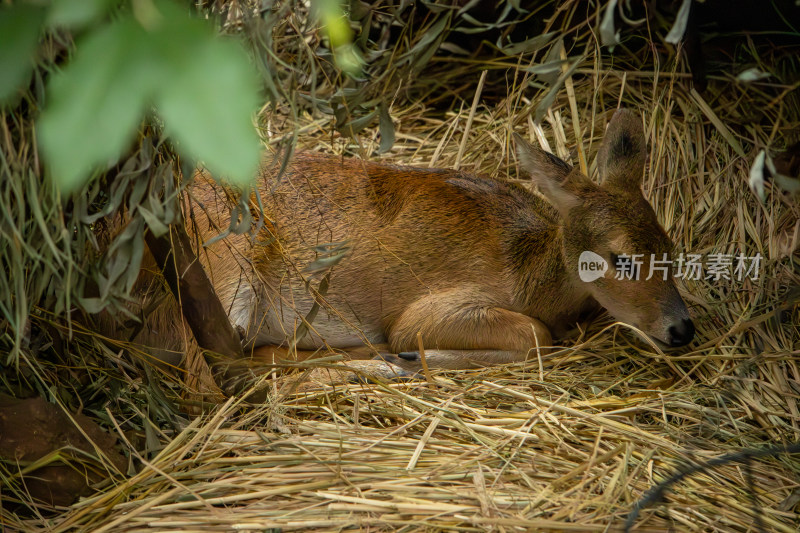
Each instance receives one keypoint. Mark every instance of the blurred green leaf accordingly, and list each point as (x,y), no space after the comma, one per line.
(208,99)
(349,59)
(756,181)
(339,31)
(77,13)
(751,75)
(203,87)
(336,24)
(19,36)
(96,102)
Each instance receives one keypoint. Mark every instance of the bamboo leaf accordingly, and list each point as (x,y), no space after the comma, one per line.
(386,128)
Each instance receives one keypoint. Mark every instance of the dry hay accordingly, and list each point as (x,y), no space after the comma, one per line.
(567,441)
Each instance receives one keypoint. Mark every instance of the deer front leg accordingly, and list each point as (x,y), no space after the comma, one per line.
(458,331)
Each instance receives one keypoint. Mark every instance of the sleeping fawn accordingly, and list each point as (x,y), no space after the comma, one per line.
(367,254)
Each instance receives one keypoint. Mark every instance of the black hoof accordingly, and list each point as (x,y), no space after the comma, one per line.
(409,356)
(409,361)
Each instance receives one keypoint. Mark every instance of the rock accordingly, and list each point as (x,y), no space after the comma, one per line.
(31,429)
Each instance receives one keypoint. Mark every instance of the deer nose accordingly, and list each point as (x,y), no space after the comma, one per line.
(681,333)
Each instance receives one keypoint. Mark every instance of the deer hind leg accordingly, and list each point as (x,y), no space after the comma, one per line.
(458,332)
(361,363)
(271,354)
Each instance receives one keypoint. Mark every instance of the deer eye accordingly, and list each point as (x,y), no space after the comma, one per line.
(621,261)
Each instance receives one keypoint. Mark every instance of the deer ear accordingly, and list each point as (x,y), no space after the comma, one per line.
(622,156)
(549,173)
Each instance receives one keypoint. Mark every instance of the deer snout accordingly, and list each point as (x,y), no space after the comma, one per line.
(681,333)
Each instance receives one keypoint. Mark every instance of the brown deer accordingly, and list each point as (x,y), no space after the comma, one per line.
(483,268)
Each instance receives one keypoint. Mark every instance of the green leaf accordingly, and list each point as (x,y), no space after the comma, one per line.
(332,253)
(681,22)
(386,128)
(549,98)
(550,68)
(157,228)
(756,181)
(208,99)
(92,305)
(19,36)
(96,103)
(751,75)
(548,71)
(124,255)
(528,45)
(349,59)
(356,125)
(609,35)
(77,13)
(432,33)
(204,88)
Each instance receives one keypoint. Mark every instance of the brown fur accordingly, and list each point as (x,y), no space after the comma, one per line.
(483,268)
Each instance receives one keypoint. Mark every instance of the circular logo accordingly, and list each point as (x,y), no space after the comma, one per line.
(591,266)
